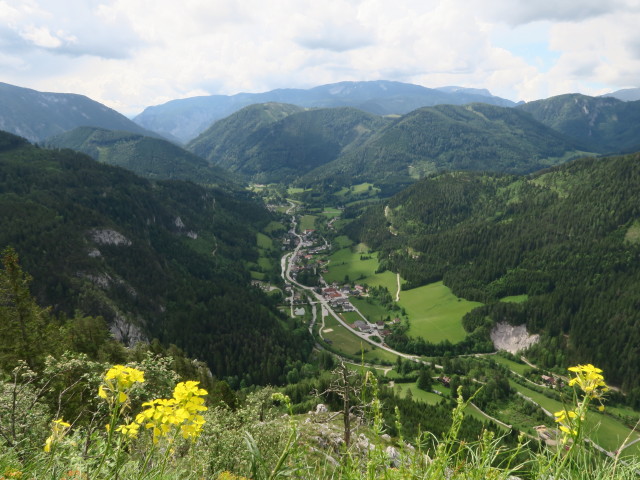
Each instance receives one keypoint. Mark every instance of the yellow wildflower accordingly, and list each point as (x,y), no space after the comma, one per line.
(589,380)
(181,410)
(117,381)
(59,429)
(129,430)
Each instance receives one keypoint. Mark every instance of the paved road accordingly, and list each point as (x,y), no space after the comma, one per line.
(286,263)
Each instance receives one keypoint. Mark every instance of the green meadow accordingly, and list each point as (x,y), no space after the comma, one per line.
(515,298)
(435,312)
(331,212)
(346,263)
(344,340)
(358,190)
(308,222)
(520,368)
(263,241)
(606,431)
(417,394)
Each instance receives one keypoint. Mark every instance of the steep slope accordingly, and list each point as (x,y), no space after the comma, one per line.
(226,138)
(38,115)
(283,150)
(567,237)
(151,158)
(601,124)
(163,259)
(186,118)
(446,137)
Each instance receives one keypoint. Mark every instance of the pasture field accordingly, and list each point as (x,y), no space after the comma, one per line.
(346,263)
(257,275)
(435,312)
(606,431)
(520,368)
(358,190)
(344,340)
(385,279)
(331,212)
(515,298)
(273,226)
(264,241)
(265,263)
(342,241)
(294,190)
(372,311)
(417,394)
(308,222)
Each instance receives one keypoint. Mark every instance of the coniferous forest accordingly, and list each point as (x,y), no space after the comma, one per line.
(171,267)
(567,237)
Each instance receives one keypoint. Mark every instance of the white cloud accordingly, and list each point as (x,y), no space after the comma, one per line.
(133,53)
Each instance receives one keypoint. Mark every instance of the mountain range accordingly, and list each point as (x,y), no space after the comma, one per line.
(186,118)
(169,259)
(283,143)
(37,115)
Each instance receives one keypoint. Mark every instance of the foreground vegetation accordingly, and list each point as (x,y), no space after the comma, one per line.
(117,434)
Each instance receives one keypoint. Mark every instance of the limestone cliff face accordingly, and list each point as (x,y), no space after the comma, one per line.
(512,338)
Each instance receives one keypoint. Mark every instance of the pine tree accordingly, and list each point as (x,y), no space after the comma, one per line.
(23,323)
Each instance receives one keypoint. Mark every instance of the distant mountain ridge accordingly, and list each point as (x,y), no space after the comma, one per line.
(626,94)
(148,157)
(37,115)
(187,118)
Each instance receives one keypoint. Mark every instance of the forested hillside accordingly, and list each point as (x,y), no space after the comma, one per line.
(568,237)
(163,259)
(476,137)
(148,157)
(274,143)
(225,139)
(601,124)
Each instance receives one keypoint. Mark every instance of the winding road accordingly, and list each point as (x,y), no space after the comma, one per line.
(287,262)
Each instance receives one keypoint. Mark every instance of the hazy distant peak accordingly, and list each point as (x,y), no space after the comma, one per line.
(626,94)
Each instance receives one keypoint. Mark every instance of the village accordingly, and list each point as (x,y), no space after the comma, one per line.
(307,263)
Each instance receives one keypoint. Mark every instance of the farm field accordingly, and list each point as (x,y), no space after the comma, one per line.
(307,222)
(515,298)
(435,312)
(264,241)
(343,340)
(372,311)
(346,263)
(608,432)
(359,189)
(342,241)
(417,394)
(331,212)
(520,368)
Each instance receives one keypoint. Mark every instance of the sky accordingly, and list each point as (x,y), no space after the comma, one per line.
(130,54)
